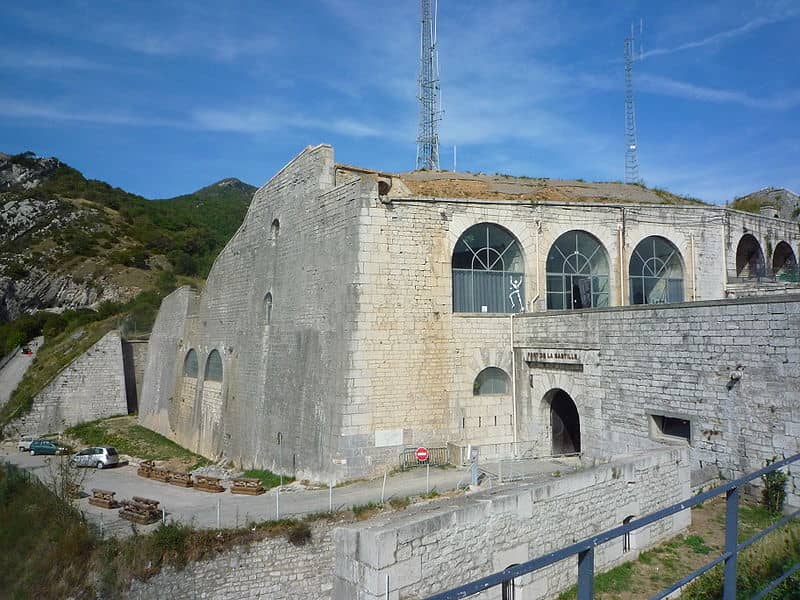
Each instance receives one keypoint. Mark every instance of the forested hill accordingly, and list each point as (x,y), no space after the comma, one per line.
(68,242)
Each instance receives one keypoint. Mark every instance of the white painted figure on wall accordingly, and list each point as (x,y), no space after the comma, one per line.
(515,292)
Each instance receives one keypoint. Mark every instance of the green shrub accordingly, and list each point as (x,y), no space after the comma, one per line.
(774,493)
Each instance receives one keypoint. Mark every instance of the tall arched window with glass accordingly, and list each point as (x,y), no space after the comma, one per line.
(577,272)
(656,272)
(488,271)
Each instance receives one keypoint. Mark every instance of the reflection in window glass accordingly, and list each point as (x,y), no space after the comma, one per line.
(190,364)
(488,271)
(577,272)
(656,272)
(214,367)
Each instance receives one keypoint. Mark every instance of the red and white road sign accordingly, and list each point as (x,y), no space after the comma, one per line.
(422,454)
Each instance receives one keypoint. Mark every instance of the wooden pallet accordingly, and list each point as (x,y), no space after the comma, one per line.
(208,484)
(145,469)
(143,511)
(103,499)
(160,475)
(181,479)
(247,486)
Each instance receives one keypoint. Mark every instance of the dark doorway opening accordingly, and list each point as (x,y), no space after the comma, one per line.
(564,423)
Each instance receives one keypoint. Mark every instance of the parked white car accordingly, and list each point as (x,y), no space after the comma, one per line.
(25,442)
(98,457)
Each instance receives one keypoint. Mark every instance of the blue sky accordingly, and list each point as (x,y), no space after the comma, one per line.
(162,98)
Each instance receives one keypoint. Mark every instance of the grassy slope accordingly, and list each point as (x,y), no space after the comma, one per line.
(47,549)
(134,440)
(666,563)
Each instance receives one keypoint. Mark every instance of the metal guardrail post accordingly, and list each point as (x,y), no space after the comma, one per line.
(731,541)
(586,574)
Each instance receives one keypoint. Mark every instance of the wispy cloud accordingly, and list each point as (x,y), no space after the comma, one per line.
(14,59)
(223,120)
(258,121)
(202,33)
(680,89)
(723,36)
(53,112)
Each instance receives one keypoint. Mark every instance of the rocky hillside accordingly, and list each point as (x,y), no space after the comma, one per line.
(67,242)
(785,202)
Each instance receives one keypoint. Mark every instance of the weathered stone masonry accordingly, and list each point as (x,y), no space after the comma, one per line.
(728,367)
(426,549)
(90,387)
(332,311)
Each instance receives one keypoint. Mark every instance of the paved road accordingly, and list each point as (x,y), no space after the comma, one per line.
(200,508)
(11,374)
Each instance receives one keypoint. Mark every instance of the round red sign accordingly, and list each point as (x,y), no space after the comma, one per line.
(422,454)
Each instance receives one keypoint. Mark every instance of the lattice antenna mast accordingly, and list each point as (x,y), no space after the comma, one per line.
(430,112)
(631,139)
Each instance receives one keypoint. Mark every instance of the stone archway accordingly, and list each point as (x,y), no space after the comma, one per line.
(565,426)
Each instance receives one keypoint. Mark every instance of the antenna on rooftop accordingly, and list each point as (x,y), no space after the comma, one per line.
(631,140)
(430,112)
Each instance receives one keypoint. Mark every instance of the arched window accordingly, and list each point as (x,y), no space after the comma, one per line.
(275,229)
(749,258)
(784,261)
(577,272)
(488,271)
(190,364)
(490,381)
(656,272)
(268,308)
(213,367)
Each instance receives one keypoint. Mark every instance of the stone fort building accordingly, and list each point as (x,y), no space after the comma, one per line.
(356,314)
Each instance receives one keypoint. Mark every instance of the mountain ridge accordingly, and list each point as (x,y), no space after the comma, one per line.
(71,243)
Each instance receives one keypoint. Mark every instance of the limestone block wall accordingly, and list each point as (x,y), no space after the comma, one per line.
(415,361)
(425,553)
(674,361)
(163,367)
(272,569)
(278,306)
(91,387)
(768,232)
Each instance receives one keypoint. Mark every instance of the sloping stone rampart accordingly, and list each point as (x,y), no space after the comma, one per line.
(91,387)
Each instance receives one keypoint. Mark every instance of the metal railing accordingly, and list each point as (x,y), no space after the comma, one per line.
(436,457)
(585,549)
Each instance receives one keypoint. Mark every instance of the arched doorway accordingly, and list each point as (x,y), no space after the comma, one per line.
(565,425)
(749,258)
(783,260)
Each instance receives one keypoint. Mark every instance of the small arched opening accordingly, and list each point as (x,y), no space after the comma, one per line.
(749,258)
(268,308)
(784,261)
(491,381)
(565,425)
(274,230)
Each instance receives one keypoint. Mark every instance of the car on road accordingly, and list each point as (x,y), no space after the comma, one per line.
(24,443)
(27,350)
(46,447)
(98,457)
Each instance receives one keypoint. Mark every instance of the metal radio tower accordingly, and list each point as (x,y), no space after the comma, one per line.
(429,108)
(631,149)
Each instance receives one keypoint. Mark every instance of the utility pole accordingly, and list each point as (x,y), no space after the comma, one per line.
(631,140)
(430,112)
